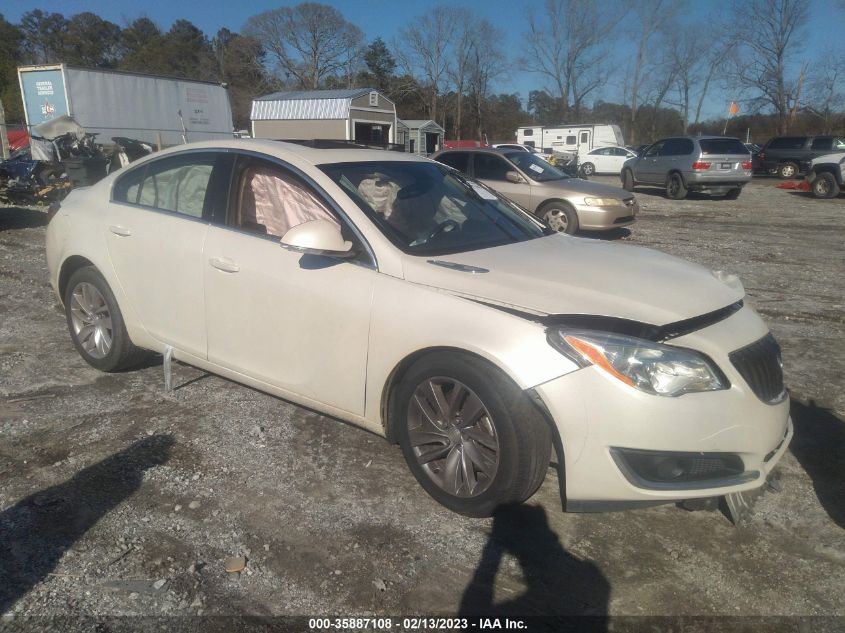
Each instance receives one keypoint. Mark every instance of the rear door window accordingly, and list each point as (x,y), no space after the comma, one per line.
(490,167)
(677,147)
(722,146)
(177,184)
(457,160)
(787,142)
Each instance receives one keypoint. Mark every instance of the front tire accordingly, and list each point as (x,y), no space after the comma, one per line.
(825,185)
(469,435)
(675,187)
(560,217)
(627,180)
(588,169)
(96,324)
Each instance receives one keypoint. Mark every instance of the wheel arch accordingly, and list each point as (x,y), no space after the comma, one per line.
(832,168)
(70,266)
(401,369)
(550,201)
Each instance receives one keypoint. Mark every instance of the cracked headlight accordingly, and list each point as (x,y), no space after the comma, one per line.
(648,366)
(603,202)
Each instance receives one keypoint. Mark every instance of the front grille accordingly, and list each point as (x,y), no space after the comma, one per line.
(760,365)
(627,218)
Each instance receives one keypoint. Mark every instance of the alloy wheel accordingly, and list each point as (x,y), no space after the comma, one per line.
(453,437)
(557,220)
(91,320)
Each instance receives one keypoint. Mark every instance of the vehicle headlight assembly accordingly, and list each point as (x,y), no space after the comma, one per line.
(657,369)
(603,202)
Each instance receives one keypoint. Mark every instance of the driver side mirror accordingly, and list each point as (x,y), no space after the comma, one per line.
(513,176)
(317,237)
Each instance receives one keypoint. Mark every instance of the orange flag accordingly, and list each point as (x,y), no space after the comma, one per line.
(734,108)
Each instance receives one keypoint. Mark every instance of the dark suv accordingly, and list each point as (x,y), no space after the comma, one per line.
(787,156)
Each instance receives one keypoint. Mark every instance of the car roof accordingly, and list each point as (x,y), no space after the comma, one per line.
(312,155)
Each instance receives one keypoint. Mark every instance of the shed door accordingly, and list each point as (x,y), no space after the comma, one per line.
(431,139)
(372,132)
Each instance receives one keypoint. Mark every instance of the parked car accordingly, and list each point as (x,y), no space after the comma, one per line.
(826,175)
(717,165)
(789,156)
(565,203)
(605,160)
(393,292)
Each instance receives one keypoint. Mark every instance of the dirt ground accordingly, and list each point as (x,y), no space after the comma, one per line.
(117,498)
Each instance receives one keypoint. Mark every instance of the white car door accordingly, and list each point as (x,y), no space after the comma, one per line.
(297,322)
(155,229)
(601,160)
(616,158)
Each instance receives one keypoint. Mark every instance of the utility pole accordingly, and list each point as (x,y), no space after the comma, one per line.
(4,139)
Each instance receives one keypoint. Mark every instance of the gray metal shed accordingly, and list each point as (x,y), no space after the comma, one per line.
(357,114)
(424,136)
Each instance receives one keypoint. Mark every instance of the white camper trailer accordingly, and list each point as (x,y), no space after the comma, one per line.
(570,139)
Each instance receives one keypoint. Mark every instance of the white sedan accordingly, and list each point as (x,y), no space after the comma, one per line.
(605,160)
(391,291)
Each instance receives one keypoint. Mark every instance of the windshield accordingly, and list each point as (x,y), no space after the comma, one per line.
(536,168)
(431,209)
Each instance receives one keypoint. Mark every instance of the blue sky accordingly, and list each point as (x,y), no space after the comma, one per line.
(385,18)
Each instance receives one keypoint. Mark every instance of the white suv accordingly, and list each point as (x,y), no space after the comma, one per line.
(825,175)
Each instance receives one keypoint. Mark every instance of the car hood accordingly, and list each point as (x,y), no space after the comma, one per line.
(589,188)
(836,157)
(559,274)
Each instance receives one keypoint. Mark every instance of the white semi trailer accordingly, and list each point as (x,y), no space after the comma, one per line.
(149,108)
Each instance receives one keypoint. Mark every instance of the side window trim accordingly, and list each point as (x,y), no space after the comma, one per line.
(316,188)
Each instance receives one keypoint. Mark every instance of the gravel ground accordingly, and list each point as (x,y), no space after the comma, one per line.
(117,498)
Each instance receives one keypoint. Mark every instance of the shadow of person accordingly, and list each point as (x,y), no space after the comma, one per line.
(36,532)
(558,584)
(819,446)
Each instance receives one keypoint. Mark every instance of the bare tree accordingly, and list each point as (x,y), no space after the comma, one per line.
(770,31)
(826,96)
(567,44)
(424,51)
(486,63)
(652,17)
(310,42)
(464,45)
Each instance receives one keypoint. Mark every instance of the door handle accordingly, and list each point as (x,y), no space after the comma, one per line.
(122,231)
(225,264)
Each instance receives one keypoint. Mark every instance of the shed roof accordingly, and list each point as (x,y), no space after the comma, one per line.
(308,104)
(295,95)
(415,124)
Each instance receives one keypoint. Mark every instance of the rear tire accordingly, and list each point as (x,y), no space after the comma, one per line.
(509,439)
(787,170)
(627,180)
(825,185)
(560,217)
(733,194)
(675,187)
(96,324)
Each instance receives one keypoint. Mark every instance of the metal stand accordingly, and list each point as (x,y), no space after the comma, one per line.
(168,369)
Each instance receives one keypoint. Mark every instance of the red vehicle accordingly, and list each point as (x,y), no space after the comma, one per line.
(18,139)
(463,144)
